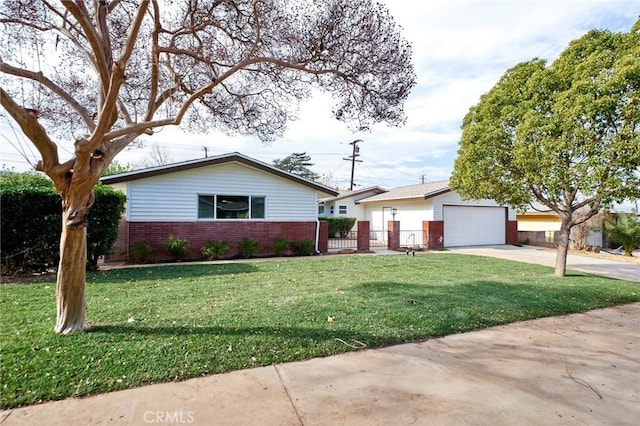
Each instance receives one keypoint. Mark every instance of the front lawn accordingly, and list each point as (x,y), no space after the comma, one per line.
(164,323)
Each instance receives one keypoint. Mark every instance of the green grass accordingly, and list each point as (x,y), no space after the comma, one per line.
(195,320)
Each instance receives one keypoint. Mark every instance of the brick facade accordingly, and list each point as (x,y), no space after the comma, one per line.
(155,234)
(433,234)
(512,232)
(394,234)
(364,243)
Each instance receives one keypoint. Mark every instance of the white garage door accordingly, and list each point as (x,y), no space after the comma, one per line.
(474,226)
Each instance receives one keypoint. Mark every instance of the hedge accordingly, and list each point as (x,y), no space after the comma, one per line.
(31,222)
(339,225)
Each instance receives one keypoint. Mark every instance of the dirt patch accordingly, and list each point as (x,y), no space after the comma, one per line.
(608,256)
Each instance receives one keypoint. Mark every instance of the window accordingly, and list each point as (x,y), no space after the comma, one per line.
(342,209)
(320,210)
(230,207)
(205,206)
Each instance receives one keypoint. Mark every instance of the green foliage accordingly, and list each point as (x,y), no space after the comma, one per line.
(339,225)
(565,135)
(31,221)
(305,247)
(102,230)
(247,247)
(281,245)
(624,230)
(141,252)
(297,163)
(115,168)
(178,247)
(196,320)
(213,250)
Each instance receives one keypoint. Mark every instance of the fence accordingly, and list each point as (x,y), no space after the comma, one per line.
(350,240)
(411,239)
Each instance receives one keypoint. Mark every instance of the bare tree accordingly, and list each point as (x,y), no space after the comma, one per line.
(158,156)
(118,69)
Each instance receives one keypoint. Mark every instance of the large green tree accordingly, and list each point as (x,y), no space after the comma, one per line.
(117,69)
(297,163)
(566,136)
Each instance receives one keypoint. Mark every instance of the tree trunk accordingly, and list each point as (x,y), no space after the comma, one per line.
(563,247)
(71,278)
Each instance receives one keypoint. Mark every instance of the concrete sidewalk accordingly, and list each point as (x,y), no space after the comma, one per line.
(581,369)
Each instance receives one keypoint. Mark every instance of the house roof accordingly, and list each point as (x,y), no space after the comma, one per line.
(347,194)
(419,191)
(209,161)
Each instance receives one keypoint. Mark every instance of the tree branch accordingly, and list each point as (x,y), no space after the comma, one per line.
(47,148)
(40,78)
(155,62)
(108,115)
(80,12)
(140,128)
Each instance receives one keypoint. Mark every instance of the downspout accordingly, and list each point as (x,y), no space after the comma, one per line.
(317,249)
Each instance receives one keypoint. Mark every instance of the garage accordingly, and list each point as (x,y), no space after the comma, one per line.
(474,225)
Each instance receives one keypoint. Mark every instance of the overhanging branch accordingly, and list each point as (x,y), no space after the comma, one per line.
(46,82)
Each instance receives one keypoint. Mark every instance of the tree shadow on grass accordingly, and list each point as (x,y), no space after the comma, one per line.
(343,335)
(578,294)
(169,272)
(429,310)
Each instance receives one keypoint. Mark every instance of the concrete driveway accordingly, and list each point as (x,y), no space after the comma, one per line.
(543,256)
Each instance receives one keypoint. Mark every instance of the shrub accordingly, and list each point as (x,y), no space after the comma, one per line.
(31,222)
(247,247)
(625,231)
(104,219)
(176,246)
(305,247)
(213,250)
(141,252)
(340,225)
(281,245)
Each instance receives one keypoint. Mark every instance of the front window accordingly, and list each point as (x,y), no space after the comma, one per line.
(231,207)
(206,205)
(342,209)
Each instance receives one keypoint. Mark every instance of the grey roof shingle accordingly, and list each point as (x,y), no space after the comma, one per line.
(421,190)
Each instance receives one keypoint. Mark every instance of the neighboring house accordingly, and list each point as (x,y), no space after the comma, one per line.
(346,203)
(539,226)
(227,197)
(431,215)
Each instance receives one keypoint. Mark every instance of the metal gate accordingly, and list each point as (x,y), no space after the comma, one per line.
(350,240)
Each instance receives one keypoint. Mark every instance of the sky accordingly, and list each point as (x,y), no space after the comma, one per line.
(460,50)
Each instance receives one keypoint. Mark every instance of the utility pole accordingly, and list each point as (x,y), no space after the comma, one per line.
(352,158)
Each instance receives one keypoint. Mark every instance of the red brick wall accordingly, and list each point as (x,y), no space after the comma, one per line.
(323,237)
(363,235)
(155,234)
(433,234)
(512,232)
(394,234)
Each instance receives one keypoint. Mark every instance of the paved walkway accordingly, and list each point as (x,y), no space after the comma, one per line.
(581,369)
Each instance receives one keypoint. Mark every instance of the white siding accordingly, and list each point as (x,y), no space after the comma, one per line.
(174,196)
(410,214)
(451,198)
